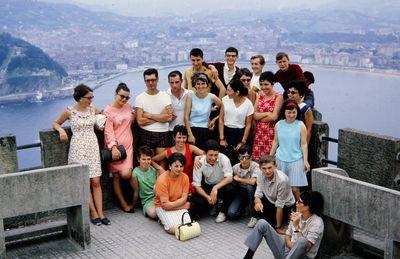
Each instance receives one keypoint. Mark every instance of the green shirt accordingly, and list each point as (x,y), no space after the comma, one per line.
(146,180)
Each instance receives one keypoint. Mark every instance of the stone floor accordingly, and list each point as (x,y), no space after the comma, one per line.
(134,236)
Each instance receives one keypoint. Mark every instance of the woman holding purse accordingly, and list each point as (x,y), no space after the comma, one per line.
(118,132)
(84,148)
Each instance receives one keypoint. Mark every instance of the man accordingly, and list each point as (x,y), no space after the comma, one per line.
(287,72)
(303,236)
(212,181)
(178,96)
(196,57)
(257,65)
(226,71)
(273,198)
(153,113)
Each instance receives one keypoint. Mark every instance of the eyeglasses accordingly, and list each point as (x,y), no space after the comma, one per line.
(245,80)
(150,80)
(127,97)
(292,92)
(88,97)
(241,157)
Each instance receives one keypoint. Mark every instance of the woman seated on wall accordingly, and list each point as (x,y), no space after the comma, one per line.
(172,188)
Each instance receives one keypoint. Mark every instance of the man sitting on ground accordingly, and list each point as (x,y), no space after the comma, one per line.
(303,236)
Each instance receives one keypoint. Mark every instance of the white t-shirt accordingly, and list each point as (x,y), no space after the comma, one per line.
(255,82)
(154,104)
(235,117)
(178,105)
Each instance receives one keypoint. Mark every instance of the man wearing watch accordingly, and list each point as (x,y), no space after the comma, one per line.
(304,234)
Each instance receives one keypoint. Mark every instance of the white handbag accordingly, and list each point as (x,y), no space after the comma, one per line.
(187,230)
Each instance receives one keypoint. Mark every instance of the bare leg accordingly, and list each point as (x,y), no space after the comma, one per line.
(92,208)
(296,192)
(171,230)
(118,192)
(151,212)
(97,196)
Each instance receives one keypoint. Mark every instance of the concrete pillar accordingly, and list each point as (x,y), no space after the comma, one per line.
(318,149)
(2,241)
(370,157)
(8,154)
(54,152)
(78,225)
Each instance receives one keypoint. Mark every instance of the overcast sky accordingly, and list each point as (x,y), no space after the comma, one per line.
(185,7)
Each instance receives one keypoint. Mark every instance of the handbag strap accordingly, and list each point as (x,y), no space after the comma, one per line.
(183,216)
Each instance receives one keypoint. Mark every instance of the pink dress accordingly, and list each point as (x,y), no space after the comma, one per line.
(118,131)
(264,130)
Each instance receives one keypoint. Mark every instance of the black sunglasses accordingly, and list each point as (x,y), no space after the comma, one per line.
(124,97)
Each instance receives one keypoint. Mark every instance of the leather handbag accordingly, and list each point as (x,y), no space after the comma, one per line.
(106,154)
(187,230)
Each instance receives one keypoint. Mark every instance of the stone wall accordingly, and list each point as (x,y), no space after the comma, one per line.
(370,157)
(8,154)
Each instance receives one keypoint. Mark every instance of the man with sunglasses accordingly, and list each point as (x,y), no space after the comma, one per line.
(303,236)
(244,179)
(153,113)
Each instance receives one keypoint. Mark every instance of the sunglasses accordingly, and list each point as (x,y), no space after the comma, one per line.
(150,80)
(241,157)
(88,97)
(245,80)
(124,97)
(292,92)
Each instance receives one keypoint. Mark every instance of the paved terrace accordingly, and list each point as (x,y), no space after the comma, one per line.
(134,236)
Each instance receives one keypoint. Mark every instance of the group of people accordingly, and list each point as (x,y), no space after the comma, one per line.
(220,141)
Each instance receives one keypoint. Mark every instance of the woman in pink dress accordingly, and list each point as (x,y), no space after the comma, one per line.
(266,113)
(118,132)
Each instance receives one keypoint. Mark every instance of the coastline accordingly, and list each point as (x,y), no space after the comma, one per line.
(67,91)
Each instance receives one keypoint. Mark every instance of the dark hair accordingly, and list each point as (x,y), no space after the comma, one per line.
(150,71)
(309,77)
(175,73)
(244,72)
(122,86)
(314,201)
(281,55)
(145,150)
(80,91)
(237,85)
(266,159)
(177,157)
(262,60)
(180,129)
(299,85)
(232,49)
(199,76)
(290,104)
(196,52)
(244,149)
(211,144)
(268,76)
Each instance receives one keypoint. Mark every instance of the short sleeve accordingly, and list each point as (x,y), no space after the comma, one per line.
(139,102)
(185,184)
(315,231)
(236,169)
(226,166)
(198,173)
(134,172)
(250,108)
(161,188)
(166,99)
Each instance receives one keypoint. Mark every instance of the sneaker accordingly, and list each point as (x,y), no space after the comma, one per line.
(252,222)
(215,210)
(220,218)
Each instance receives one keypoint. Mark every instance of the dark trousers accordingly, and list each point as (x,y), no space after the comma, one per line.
(201,136)
(200,205)
(233,137)
(269,212)
(243,197)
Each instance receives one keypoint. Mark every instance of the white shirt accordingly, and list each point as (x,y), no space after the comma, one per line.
(154,104)
(228,75)
(235,117)
(213,174)
(178,105)
(255,82)
(251,172)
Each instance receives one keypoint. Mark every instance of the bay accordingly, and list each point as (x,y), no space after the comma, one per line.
(347,99)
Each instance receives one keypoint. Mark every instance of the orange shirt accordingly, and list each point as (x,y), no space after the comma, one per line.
(173,188)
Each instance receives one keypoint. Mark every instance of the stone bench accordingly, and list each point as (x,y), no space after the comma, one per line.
(369,207)
(44,190)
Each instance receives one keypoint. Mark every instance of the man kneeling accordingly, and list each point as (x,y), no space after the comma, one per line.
(303,237)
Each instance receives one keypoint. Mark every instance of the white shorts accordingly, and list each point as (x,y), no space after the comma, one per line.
(172,218)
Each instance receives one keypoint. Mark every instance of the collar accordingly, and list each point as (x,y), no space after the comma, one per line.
(185,91)
(273,178)
(227,68)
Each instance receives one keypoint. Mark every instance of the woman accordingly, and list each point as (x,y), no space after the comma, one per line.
(235,119)
(290,146)
(245,76)
(197,111)
(267,108)
(180,135)
(118,132)
(297,90)
(84,148)
(172,188)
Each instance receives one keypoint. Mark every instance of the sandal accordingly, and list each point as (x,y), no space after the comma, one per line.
(131,210)
(105,221)
(96,221)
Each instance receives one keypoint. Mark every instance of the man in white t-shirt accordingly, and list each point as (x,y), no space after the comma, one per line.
(178,96)
(153,113)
